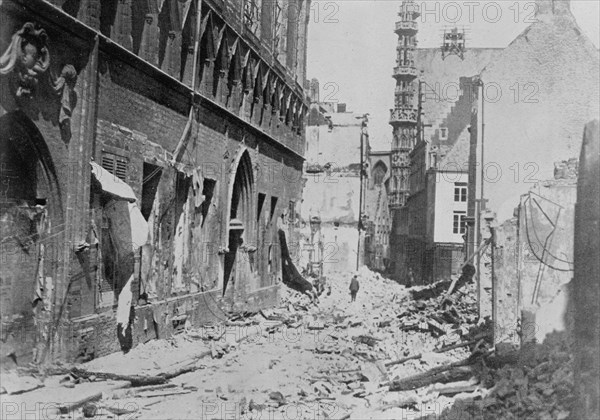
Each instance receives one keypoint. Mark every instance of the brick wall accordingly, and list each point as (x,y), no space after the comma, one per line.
(142,127)
(128,107)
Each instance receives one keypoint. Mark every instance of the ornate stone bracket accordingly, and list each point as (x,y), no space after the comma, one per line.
(26,64)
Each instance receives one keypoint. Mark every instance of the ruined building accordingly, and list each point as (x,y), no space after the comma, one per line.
(528,199)
(332,190)
(404,121)
(150,149)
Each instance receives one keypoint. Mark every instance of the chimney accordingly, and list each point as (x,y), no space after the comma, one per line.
(552,8)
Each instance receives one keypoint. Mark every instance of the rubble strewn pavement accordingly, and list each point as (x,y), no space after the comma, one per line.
(387,355)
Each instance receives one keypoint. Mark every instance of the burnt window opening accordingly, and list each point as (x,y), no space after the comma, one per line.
(182,188)
(241,219)
(208,191)
(273,207)
(115,164)
(151,178)
(261,202)
(109,281)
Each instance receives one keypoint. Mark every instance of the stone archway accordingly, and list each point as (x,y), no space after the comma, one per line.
(31,226)
(240,224)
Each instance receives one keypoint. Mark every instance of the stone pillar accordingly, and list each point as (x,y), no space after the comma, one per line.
(506,310)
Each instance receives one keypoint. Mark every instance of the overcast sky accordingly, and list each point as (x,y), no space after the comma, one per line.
(351,44)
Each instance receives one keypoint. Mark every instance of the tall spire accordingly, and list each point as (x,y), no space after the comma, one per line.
(404,115)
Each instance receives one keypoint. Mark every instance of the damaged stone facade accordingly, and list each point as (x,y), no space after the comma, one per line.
(379,219)
(332,190)
(212,150)
(544,123)
(531,261)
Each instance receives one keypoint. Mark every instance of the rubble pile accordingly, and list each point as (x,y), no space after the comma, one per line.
(376,357)
(539,385)
(451,318)
(385,336)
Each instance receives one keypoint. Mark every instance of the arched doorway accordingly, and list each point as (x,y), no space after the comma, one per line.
(30,225)
(238,262)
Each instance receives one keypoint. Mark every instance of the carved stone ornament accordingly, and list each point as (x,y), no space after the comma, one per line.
(26,64)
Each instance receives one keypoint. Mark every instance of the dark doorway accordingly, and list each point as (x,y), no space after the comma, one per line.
(31,234)
(235,240)
(241,225)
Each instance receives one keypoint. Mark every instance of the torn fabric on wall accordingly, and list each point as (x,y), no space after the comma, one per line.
(128,228)
(128,232)
(181,249)
(197,186)
(124,305)
(291,277)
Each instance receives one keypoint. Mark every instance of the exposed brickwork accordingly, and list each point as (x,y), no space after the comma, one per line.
(96,335)
(131,110)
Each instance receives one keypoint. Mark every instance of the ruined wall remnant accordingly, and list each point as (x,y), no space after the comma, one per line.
(586,287)
(532,261)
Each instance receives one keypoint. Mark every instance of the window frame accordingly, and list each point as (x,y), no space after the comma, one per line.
(459,225)
(460,192)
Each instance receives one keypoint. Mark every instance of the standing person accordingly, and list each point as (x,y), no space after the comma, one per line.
(354,286)
(411,278)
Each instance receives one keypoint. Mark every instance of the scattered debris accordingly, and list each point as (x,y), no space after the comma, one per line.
(384,352)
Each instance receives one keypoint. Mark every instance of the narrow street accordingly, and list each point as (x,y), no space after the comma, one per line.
(325,360)
(394,353)
(299,209)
